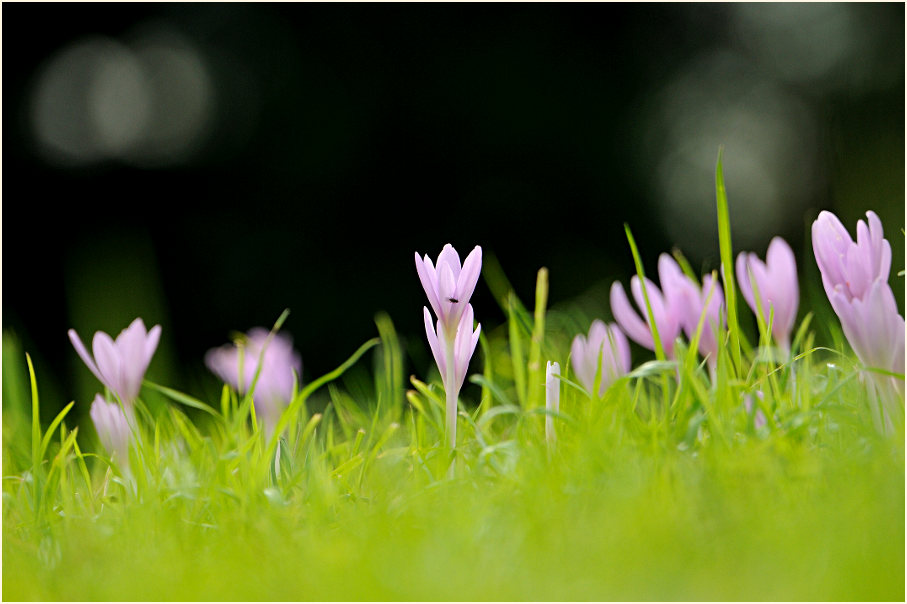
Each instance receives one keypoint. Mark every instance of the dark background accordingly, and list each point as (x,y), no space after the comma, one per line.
(207,166)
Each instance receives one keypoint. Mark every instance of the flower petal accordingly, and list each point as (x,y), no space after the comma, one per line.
(469,277)
(109,363)
(83,353)
(626,317)
(434,343)
(429,281)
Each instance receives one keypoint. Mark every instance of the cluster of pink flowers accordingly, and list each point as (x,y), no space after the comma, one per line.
(121,364)
(854,275)
(679,306)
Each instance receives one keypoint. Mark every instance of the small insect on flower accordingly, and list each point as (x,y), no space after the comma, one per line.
(453,300)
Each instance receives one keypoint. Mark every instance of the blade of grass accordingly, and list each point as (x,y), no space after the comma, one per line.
(536,374)
(730,286)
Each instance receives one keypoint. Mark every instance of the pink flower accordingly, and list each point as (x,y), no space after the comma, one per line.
(850,268)
(120,364)
(776,280)
(855,276)
(606,343)
(666,307)
(112,427)
(448,286)
(455,354)
(280,366)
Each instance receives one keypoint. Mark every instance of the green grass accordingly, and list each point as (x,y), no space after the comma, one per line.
(664,489)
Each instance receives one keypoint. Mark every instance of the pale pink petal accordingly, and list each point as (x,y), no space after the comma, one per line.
(83,353)
(744,280)
(451,258)
(429,281)
(623,347)
(469,277)
(626,317)
(107,357)
(434,343)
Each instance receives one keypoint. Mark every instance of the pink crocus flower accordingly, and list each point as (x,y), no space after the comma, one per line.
(666,307)
(120,364)
(552,396)
(855,277)
(606,343)
(112,427)
(280,366)
(452,356)
(849,268)
(776,281)
(448,285)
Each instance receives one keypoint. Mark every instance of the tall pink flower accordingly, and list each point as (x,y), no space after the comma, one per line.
(280,365)
(120,364)
(448,285)
(855,276)
(605,343)
(776,281)
(666,305)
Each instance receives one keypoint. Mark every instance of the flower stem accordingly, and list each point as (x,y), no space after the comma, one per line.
(451,391)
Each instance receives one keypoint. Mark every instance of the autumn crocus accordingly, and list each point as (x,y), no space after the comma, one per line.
(120,364)
(552,397)
(665,303)
(855,277)
(112,426)
(237,363)
(452,356)
(849,268)
(605,344)
(448,285)
(776,283)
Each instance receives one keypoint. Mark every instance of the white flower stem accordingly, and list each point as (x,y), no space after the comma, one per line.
(451,391)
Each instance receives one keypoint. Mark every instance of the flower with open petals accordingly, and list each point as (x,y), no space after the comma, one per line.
(776,282)
(112,427)
(120,364)
(666,307)
(607,344)
(280,365)
(448,285)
